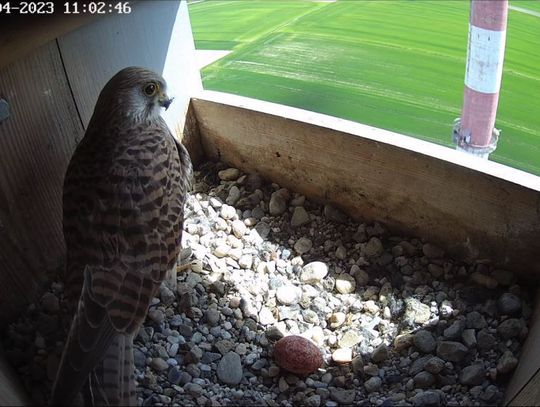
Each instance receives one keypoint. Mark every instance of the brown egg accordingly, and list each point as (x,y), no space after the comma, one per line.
(297,355)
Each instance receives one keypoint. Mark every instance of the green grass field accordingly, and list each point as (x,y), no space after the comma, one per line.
(397,65)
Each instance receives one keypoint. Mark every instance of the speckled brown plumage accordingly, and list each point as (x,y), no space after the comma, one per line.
(124,194)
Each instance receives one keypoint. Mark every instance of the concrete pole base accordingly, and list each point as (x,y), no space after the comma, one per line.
(463,142)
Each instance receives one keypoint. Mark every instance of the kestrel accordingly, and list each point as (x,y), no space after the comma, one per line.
(124,194)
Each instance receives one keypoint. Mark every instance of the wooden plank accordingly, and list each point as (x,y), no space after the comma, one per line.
(37,141)
(21,35)
(156,35)
(469,213)
(519,390)
(530,394)
(192,137)
(12,393)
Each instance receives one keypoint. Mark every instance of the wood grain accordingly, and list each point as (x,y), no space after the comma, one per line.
(37,141)
(21,35)
(156,35)
(530,394)
(524,388)
(469,213)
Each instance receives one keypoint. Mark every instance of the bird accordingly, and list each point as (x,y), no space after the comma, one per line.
(123,206)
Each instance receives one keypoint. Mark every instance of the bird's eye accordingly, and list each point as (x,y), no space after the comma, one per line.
(150,89)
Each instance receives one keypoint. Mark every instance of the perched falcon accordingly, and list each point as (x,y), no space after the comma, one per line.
(124,194)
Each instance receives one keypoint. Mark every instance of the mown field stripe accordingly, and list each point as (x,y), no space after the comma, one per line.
(395,65)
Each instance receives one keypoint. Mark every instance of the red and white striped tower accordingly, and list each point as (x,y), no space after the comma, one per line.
(475,132)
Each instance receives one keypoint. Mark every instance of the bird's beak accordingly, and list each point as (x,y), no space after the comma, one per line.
(165,101)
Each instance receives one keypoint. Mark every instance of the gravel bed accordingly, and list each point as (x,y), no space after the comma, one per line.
(398,322)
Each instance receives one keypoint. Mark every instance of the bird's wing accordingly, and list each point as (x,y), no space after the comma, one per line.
(122,221)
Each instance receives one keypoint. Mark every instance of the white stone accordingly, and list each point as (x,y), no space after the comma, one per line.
(222,250)
(349,339)
(342,355)
(245,261)
(227,212)
(345,283)
(266,317)
(314,272)
(337,319)
(289,294)
(239,228)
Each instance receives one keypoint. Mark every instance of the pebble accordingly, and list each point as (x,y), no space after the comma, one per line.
(373,384)
(278,203)
(174,375)
(380,353)
(212,317)
(485,340)
(428,398)
(416,312)
(159,364)
(451,351)
(510,328)
(361,276)
(229,369)
(313,400)
(373,247)
(423,380)
(342,355)
(337,319)
(239,228)
(507,363)
(403,341)
(483,280)
(139,358)
(233,196)
(245,261)
(297,355)
(314,272)
(289,294)
(230,174)
(156,315)
(299,217)
(262,271)
(469,338)
(475,320)
(303,245)
(342,396)
(434,365)
(509,304)
(455,330)
(266,317)
(349,339)
(334,214)
(424,341)
(472,375)
(227,212)
(345,283)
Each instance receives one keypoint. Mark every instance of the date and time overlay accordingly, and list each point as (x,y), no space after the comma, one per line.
(43,8)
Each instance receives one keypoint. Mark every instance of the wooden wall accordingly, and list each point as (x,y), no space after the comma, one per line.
(472,214)
(51,91)
(37,140)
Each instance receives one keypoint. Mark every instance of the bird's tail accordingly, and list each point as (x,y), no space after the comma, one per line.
(112,382)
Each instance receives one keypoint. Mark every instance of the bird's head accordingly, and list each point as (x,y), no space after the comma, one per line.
(135,93)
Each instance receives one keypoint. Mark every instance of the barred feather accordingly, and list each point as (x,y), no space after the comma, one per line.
(124,195)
